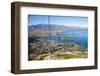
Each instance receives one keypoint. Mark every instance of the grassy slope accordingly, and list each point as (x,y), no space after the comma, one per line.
(63,56)
(75,55)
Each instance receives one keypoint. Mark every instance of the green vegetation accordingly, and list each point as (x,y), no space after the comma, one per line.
(75,55)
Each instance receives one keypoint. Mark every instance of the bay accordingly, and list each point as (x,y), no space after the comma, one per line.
(81,36)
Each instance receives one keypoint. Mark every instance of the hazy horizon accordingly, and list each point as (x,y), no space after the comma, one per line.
(71,21)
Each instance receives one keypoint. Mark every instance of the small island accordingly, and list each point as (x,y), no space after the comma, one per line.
(66,38)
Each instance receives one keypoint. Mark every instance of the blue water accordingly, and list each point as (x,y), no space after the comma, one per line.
(81,36)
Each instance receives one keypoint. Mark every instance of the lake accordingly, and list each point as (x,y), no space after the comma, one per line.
(81,36)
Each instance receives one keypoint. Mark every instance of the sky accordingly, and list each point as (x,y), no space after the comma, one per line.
(72,21)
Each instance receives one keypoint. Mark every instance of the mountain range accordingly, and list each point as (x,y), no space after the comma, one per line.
(52,28)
